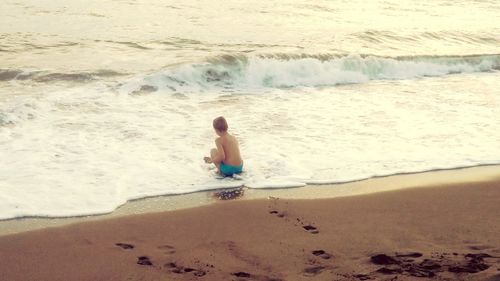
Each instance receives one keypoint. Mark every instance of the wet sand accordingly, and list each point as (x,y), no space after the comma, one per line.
(443,232)
(191,200)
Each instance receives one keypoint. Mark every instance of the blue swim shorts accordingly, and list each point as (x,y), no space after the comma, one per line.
(229,170)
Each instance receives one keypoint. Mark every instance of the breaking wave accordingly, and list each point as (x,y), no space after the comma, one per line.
(284,70)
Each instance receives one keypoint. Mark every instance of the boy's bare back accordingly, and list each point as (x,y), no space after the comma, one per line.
(229,144)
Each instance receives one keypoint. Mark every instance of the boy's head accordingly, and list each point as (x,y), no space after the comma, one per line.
(220,124)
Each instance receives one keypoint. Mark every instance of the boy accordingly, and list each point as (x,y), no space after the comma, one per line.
(226,157)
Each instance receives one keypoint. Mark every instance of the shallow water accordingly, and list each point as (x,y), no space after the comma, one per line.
(106,101)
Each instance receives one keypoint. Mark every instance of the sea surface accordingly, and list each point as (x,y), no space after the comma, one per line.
(105,101)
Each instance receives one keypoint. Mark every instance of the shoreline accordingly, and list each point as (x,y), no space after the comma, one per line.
(311,191)
(443,231)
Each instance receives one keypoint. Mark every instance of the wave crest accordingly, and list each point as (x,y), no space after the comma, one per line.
(285,70)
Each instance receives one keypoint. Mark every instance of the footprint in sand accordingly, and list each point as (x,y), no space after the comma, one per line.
(278,214)
(439,262)
(174,268)
(125,246)
(322,254)
(409,255)
(284,214)
(241,274)
(144,260)
(248,276)
(383,259)
(274,208)
(311,229)
(167,249)
(308,227)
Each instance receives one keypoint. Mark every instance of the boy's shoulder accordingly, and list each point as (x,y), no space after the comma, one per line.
(223,139)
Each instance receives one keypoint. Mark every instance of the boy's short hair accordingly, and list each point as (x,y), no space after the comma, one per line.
(220,124)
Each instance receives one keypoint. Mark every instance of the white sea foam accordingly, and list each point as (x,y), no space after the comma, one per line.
(86,150)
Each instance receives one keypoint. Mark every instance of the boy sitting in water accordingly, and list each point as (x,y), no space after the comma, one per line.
(226,157)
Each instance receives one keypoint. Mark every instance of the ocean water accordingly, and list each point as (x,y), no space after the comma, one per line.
(107,101)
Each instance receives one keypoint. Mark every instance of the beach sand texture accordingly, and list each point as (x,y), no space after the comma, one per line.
(369,132)
(446,232)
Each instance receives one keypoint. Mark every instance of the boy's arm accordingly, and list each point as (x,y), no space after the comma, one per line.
(220,156)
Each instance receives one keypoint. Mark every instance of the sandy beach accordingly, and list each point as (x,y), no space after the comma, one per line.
(440,232)
(249,141)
